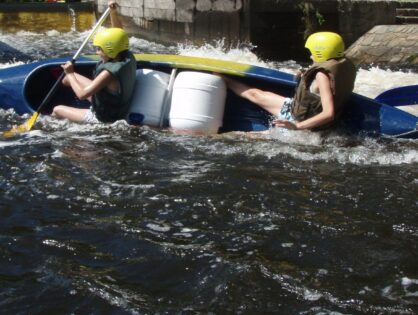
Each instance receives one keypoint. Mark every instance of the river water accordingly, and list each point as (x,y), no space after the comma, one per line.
(111,219)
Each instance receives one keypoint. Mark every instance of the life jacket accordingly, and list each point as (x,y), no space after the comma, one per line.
(109,106)
(342,74)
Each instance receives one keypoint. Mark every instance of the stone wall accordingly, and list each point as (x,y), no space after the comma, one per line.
(183,11)
(387,44)
(281,27)
(179,21)
(278,28)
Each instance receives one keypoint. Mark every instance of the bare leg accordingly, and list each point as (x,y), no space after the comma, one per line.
(70,113)
(269,101)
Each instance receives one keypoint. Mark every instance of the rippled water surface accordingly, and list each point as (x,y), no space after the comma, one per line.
(117,219)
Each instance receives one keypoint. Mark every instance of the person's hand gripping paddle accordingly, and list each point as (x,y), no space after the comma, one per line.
(27,126)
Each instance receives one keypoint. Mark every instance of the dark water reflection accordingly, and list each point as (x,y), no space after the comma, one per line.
(121,220)
(134,220)
(29,36)
(40,22)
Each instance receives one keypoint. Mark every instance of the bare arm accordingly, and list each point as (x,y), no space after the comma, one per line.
(114,18)
(86,90)
(328,112)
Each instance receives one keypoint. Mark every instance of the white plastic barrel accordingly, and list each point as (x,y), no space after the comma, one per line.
(198,102)
(148,99)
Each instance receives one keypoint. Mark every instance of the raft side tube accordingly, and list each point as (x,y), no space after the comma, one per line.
(11,88)
(367,116)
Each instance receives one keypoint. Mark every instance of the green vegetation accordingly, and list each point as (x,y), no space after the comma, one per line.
(412,59)
(311,18)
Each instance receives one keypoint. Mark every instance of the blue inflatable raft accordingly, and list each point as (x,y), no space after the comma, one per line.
(23,88)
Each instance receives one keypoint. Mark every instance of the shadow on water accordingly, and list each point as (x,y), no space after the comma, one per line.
(134,220)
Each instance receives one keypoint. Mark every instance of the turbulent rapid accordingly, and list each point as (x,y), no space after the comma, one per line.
(135,220)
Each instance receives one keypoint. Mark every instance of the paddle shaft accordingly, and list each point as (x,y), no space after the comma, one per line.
(57,83)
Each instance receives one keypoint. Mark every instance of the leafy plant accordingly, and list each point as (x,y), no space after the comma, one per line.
(311,18)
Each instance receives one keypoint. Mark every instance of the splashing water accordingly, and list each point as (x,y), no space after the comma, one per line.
(374,80)
(121,219)
(370,82)
(73,19)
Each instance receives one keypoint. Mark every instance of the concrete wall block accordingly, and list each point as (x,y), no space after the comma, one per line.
(411,29)
(160,9)
(185,10)
(138,12)
(390,45)
(124,3)
(160,4)
(143,23)
(224,5)
(368,39)
(218,5)
(101,8)
(101,5)
(126,11)
(185,4)
(239,4)
(160,14)
(174,29)
(212,27)
(203,5)
(185,16)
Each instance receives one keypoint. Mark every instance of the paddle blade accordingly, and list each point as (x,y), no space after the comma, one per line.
(21,128)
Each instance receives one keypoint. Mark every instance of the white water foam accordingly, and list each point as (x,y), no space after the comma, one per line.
(219,51)
(10,64)
(370,82)
(310,147)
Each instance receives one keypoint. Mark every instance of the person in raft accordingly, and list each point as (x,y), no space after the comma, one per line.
(111,90)
(322,91)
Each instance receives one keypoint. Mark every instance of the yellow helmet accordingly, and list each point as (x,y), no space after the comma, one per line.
(325,45)
(112,41)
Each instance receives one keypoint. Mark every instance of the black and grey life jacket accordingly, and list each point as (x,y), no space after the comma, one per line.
(342,74)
